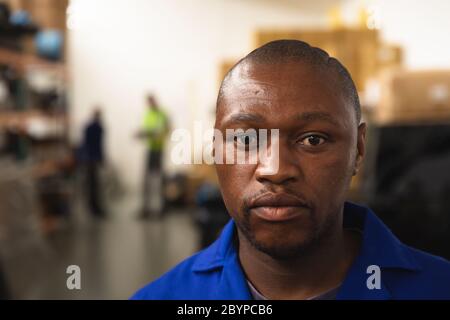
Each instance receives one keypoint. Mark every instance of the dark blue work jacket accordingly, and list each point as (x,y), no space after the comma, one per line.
(405,273)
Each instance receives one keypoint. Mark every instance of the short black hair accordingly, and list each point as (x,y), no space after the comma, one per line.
(280,51)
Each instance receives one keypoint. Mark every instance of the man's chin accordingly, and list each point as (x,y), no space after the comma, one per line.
(281,241)
(284,251)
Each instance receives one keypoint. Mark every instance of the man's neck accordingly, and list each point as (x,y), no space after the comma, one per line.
(301,277)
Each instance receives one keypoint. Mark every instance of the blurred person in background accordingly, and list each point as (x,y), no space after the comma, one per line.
(155,129)
(93,155)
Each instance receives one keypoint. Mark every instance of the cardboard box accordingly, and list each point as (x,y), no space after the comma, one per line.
(414,96)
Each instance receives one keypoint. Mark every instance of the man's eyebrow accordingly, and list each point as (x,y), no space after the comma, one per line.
(317,116)
(244,117)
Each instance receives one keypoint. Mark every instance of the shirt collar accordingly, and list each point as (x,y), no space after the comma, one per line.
(379,245)
(379,248)
(215,255)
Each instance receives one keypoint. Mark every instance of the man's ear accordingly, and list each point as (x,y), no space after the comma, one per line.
(360,147)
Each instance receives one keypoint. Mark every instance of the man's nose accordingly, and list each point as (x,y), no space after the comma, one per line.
(278,167)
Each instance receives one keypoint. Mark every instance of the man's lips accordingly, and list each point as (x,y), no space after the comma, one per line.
(278,207)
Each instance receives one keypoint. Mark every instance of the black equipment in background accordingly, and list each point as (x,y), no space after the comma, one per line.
(409,186)
(211,215)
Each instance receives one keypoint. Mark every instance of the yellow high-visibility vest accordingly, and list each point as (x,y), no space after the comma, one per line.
(155,123)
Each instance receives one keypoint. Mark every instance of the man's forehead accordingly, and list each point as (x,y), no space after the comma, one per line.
(288,88)
(252,90)
(262,81)
(248,93)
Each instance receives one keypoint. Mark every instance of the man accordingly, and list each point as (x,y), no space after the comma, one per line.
(93,156)
(292,235)
(156,126)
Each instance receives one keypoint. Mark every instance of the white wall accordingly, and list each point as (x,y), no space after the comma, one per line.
(421,27)
(121,49)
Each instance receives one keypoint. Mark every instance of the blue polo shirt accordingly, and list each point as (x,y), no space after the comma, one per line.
(405,273)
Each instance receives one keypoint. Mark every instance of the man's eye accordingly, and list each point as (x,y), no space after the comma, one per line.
(312,140)
(246,139)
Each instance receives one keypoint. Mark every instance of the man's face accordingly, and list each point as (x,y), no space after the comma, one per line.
(320,145)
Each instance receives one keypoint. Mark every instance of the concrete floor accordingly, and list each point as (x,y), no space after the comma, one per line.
(117,256)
